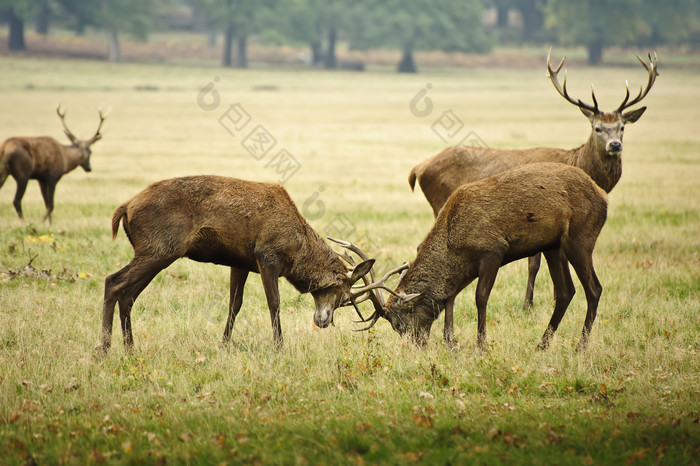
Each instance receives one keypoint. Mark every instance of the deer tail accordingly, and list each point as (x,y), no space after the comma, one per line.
(120,213)
(412,178)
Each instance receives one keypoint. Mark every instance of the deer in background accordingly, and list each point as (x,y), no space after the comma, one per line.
(248,226)
(600,156)
(552,208)
(46,160)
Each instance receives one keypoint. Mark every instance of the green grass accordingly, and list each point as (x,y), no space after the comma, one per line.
(336,396)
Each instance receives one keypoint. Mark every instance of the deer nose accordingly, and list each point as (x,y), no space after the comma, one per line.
(615,146)
(323,318)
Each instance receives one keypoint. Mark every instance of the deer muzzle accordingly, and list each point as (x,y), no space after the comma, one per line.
(613,147)
(323,317)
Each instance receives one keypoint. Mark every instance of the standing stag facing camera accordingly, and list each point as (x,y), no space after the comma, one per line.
(600,156)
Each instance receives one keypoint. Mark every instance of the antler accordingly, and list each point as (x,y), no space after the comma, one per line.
(62,115)
(552,74)
(97,135)
(371,284)
(653,73)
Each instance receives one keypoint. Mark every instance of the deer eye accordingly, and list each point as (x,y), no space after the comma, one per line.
(622,128)
(598,130)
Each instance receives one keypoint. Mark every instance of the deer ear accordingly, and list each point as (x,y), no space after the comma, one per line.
(589,113)
(631,117)
(361,270)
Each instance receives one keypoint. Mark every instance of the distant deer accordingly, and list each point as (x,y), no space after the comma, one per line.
(248,226)
(551,208)
(46,160)
(600,156)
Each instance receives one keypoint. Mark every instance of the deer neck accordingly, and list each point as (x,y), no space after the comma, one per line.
(603,168)
(72,157)
(420,278)
(315,266)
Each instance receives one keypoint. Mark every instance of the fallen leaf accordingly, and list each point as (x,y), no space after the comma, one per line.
(422,420)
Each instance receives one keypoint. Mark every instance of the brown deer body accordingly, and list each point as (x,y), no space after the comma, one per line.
(551,208)
(600,156)
(248,226)
(44,159)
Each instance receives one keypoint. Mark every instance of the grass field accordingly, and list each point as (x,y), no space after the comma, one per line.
(336,396)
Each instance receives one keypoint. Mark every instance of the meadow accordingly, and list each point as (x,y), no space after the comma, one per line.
(336,396)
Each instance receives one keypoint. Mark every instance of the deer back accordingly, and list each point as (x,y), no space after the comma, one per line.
(231,222)
(523,211)
(443,173)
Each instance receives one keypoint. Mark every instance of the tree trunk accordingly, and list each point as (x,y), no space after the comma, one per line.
(228,46)
(533,19)
(316,53)
(595,52)
(211,38)
(16,37)
(331,62)
(407,65)
(242,52)
(502,16)
(115,52)
(42,19)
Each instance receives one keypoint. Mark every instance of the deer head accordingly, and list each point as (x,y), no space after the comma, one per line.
(608,127)
(83,145)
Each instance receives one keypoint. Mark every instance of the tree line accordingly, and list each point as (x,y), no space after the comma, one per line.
(404,25)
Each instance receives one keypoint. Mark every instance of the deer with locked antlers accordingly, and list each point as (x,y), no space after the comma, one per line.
(552,208)
(600,156)
(46,160)
(247,226)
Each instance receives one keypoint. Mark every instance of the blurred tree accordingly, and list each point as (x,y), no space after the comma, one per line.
(668,22)
(16,12)
(238,19)
(601,23)
(313,22)
(410,25)
(112,16)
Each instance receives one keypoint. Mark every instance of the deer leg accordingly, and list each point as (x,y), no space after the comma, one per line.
(19,194)
(47,191)
(449,332)
(238,279)
(582,262)
(124,287)
(269,273)
(564,291)
(533,266)
(488,269)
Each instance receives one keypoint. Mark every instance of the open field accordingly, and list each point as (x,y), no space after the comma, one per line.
(336,396)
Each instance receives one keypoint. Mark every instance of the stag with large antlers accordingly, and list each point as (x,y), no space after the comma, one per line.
(247,226)
(551,208)
(46,160)
(600,156)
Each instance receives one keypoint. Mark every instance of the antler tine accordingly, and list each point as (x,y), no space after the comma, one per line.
(62,115)
(377,299)
(103,116)
(652,71)
(375,317)
(381,283)
(553,75)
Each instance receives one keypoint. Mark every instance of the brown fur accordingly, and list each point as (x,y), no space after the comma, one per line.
(443,173)
(540,207)
(248,226)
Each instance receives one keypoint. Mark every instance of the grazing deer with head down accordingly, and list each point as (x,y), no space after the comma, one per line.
(248,226)
(551,208)
(600,156)
(46,160)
